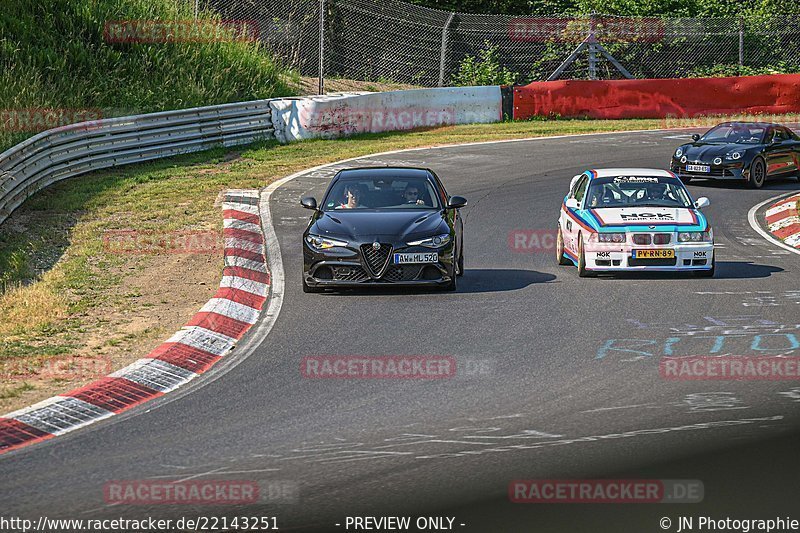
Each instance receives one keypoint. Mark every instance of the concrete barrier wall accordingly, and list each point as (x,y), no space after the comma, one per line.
(352,113)
(619,99)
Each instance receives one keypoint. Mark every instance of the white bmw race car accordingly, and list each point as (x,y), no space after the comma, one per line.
(633,219)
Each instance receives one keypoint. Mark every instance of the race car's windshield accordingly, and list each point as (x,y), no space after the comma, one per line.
(381,193)
(637,191)
(734,133)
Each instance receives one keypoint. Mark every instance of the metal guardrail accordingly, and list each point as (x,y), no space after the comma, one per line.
(75,149)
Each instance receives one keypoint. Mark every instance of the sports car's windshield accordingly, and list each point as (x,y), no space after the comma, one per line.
(639,191)
(734,133)
(381,193)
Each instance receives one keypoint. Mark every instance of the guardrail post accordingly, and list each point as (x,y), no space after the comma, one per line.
(321,47)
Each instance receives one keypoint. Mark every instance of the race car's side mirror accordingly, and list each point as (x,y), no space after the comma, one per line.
(572,203)
(702,202)
(456,202)
(309,202)
(574,181)
(695,136)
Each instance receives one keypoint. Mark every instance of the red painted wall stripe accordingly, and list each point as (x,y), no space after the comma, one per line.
(660,98)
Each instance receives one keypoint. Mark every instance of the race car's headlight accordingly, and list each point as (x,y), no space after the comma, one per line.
(733,156)
(436,241)
(695,236)
(678,152)
(611,237)
(322,243)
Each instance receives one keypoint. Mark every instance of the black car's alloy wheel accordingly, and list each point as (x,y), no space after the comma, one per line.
(758,174)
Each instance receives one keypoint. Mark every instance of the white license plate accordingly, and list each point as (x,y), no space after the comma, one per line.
(698,168)
(425,257)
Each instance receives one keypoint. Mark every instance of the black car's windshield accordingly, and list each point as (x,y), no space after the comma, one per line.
(734,133)
(381,193)
(637,191)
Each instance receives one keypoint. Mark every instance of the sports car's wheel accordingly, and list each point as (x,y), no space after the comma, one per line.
(582,272)
(451,286)
(307,288)
(708,273)
(461,261)
(560,249)
(758,174)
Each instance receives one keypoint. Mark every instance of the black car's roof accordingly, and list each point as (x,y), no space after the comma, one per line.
(384,172)
(761,124)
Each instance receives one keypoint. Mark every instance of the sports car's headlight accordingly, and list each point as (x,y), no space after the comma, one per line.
(611,237)
(733,156)
(436,241)
(695,236)
(323,243)
(678,152)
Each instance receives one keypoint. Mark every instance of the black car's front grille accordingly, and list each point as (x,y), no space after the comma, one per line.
(376,259)
(349,273)
(715,172)
(402,273)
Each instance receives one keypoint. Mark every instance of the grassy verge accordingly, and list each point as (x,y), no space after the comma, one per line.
(68,295)
(57,54)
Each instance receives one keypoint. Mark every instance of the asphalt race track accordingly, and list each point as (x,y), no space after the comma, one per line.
(557,377)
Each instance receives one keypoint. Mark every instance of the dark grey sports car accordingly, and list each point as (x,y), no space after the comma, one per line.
(383,225)
(748,152)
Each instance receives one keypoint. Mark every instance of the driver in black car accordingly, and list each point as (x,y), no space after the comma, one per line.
(412,196)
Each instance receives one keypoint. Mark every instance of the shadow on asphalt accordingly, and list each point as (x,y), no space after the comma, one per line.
(772,184)
(479,280)
(725,270)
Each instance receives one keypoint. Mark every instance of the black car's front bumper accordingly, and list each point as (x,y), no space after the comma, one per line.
(726,170)
(348,266)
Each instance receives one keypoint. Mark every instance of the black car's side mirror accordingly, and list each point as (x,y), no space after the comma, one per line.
(695,136)
(309,202)
(456,202)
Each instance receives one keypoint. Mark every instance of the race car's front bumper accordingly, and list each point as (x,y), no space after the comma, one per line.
(727,170)
(688,256)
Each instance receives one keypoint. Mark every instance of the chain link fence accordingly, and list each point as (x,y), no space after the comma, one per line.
(393,41)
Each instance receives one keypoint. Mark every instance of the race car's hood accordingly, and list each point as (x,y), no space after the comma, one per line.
(664,218)
(365,225)
(706,153)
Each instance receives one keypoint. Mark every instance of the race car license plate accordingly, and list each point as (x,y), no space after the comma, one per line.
(698,168)
(427,257)
(653,254)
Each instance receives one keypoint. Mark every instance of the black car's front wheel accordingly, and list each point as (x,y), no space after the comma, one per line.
(460,264)
(758,174)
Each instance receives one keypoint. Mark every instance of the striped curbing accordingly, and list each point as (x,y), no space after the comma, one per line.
(208,337)
(783,220)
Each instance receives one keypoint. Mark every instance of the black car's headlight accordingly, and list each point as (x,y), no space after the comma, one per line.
(323,243)
(678,153)
(437,241)
(734,156)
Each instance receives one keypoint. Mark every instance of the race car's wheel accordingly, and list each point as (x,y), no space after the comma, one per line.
(461,261)
(708,273)
(307,288)
(758,174)
(560,249)
(582,272)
